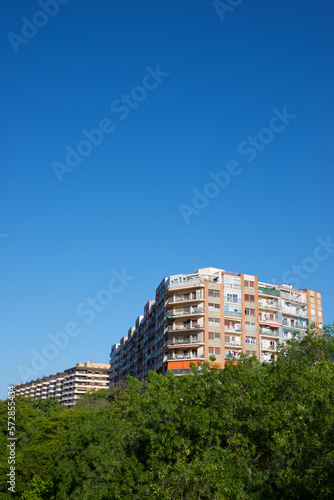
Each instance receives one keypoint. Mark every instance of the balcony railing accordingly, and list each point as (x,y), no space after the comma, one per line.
(272,333)
(182,327)
(295,325)
(172,357)
(294,297)
(232,356)
(233,342)
(176,342)
(268,347)
(269,291)
(187,283)
(269,319)
(185,312)
(268,306)
(177,299)
(294,312)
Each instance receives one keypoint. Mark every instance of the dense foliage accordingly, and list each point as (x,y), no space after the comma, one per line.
(250,431)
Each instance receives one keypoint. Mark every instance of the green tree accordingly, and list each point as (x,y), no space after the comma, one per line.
(249,431)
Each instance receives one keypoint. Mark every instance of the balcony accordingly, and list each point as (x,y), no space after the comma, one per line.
(293,311)
(269,291)
(232,355)
(183,327)
(177,299)
(181,357)
(228,329)
(266,305)
(265,357)
(236,343)
(178,342)
(266,332)
(294,297)
(189,283)
(189,311)
(267,319)
(268,347)
(293,325)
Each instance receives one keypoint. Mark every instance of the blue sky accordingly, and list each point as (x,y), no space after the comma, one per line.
(224,80)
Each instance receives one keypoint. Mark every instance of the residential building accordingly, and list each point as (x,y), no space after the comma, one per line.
(212,312)
(68,385)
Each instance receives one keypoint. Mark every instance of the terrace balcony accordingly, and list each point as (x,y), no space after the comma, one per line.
(188,283)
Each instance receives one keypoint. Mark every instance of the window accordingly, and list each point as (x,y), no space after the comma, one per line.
(250,312)
(250,326)
(233,326)
(249,284)
(214,321)
(250,340)
(214,293)
(214,336)
(232,297)
(214,351)
(249,298)
(214,307)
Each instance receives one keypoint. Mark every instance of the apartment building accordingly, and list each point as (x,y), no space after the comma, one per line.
(212,312)
(68,385)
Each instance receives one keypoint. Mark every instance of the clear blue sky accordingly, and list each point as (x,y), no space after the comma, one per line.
(120,207)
